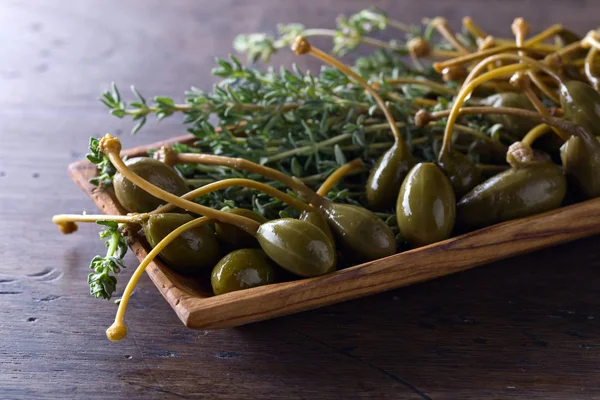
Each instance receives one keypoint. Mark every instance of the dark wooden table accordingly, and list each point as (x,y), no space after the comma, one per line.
(524,328)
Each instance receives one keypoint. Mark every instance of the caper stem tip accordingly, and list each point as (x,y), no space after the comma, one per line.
(109,144)
(67,227)
(116,331)
(166,155)
(301,46)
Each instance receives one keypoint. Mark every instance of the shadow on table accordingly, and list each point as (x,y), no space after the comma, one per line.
(503,327)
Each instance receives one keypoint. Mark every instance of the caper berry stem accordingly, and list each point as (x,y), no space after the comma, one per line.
(424,116)
(66,222)
(492,167)
(326,143)
(332,32)
(420,101)
(589,68)
(545,34)
(170,157)
(534,63)
(437,87)
(441,25)
(111,146)
(302,46)
(473,28)
(198,181)
(479,135)
(556,57)
(339,174)
(118,330)
(520,29)
(248,183)
(470,85)
(479,55)
(462,95)
(591,40)
(535,133)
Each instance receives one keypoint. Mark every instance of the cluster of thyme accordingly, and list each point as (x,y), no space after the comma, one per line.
(102,280)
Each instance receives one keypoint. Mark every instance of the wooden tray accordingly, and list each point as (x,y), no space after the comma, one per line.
(197,308)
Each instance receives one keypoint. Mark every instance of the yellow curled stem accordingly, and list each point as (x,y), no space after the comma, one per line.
(462,95)
(423,117)
(479,55)
(535,133)
(67,222)
(118,330)
(545,34)
(302,46)
(248,183)
(441,25)
(111,146)
(589,68)
(171,158)
(437,87)
(473,28)
(339,174)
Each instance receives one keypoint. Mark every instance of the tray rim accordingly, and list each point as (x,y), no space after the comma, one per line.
(242,307)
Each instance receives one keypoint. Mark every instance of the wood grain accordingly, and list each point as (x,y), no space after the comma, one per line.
(524,328)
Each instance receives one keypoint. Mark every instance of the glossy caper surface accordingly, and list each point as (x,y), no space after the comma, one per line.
(133,198)
(318,220)
(461,171)
(190,253)
(517,125)
(242,269)
(426,208)
(581,164)
(386,177)
(363,236)
(297,246)
(235,238)
(514,193)
(581,105)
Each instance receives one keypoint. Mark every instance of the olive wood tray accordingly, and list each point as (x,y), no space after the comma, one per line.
(197,308)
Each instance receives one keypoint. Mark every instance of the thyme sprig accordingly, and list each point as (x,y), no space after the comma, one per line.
(350,32)
(102,280)
(105,168)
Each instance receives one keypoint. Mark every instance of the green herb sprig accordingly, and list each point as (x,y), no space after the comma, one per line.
(106,170)
(102,281)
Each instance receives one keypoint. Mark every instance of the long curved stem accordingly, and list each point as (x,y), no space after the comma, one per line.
(473,28)
(546,34)
(118,330)
(170,157)
(499,57)
(441,25)
(479,55)
(437,87)
(226,183)
(470,85)
(479,135)
(535,133)
(121,219)
(325,143)
(559,123)
(301,46)
(536,80)
(521,29)
(462,95)
(339,174)
(589,68)
(67,222)
(111,147)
